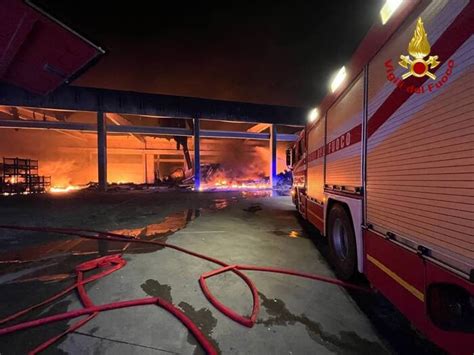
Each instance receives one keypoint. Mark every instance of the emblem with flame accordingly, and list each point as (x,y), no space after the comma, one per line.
(419,48)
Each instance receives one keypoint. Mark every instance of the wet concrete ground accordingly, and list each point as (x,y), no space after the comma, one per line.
(298,316)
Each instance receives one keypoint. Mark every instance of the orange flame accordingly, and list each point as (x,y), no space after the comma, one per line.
(231,184)
(63,189)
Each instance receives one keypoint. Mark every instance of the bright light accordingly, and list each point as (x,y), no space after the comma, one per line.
(388,9)
(313,115)
(338,79)
(61,189)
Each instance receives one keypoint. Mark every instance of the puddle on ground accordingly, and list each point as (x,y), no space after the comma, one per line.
(294,234)
(155,289)
(171,224)
(205,321)
(82,247)
(62,269)
(157,231)
(203,317)
(220,203)
(253,208)
(256,193)
(347,342)
(58,249)
(20,260)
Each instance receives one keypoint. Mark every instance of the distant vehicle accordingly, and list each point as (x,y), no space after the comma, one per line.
(385,167)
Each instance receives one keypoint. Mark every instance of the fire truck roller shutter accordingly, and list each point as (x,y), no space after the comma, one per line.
(315,181)
(316,161)
(420,162)
(343,142)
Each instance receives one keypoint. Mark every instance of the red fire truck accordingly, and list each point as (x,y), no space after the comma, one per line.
(385,167)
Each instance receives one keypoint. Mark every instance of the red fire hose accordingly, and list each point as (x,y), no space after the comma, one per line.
(115,262)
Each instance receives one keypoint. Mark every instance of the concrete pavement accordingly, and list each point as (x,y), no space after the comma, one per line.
(298,316)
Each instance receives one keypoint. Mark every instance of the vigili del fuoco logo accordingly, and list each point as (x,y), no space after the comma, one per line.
(419,48)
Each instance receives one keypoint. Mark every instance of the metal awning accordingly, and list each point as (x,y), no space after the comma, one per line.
(37,52)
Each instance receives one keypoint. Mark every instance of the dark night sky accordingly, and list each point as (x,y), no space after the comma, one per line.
(267,52)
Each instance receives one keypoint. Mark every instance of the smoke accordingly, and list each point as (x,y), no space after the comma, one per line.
(70,158)
(65,158)
(247,160)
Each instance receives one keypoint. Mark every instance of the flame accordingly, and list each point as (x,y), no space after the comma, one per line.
(419,47)
(225,184)
(63,189)
(11,180)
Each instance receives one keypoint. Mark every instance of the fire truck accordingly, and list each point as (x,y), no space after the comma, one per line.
(384,169)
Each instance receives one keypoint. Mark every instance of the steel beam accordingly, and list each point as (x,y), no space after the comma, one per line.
(119,121)
(197,155)
(77,98)
(102,150)
(146,130)
(151,131)
(233,134)
(83,127)
(286,137)
(273,155)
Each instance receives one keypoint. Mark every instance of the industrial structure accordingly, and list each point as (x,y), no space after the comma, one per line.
(21,176)
(38,86)
(158,116)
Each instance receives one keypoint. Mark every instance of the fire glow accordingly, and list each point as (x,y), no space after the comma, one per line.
(235,185)
(227,164)
(61,189)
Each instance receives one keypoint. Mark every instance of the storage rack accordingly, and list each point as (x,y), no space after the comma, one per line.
(21,176)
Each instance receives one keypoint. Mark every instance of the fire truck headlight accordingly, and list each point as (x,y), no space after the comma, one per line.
(388,9)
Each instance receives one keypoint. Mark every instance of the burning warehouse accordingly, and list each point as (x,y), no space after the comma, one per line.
(199,183)
(83,137)
(70,156)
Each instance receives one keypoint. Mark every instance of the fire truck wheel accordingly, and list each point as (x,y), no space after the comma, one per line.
(342,244)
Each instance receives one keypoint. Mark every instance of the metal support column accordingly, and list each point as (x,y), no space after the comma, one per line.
(273,156)
(149,169)
(197,156)
(102,150)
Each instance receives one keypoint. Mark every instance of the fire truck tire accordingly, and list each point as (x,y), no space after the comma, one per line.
(342,243)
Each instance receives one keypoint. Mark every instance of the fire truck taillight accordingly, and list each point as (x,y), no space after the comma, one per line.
(451,307)
(388,9)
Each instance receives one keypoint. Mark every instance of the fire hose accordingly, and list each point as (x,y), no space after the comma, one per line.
(116,262)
